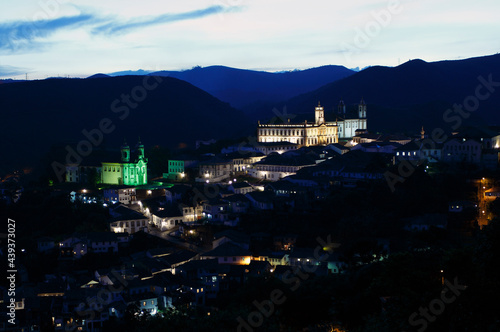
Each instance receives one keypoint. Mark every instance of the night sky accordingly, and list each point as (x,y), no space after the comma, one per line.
(79,38)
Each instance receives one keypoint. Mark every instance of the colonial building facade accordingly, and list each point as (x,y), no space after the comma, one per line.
(126,171)
(348,124)
(320,132)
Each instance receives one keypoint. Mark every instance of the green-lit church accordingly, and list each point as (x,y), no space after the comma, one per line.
(127,172)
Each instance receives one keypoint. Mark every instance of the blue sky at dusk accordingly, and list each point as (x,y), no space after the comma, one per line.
(79,38)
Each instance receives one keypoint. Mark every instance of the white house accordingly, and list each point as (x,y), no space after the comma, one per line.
(191,214)
(167,217)
(240,187)
(121,194)
(128,221)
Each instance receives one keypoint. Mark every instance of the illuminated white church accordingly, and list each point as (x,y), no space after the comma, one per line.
(320,132)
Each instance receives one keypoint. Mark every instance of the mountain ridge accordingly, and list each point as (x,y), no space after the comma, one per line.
(419,91)
(162,110)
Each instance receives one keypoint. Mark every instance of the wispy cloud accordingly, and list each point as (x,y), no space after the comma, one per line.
(10,71)
(21,35)
(113,28)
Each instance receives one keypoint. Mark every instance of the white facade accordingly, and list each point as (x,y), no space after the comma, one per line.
(462,149)
(191,214)
(120,195)
(320,132)
(215,170)
(129,226)
(166,223)
(304,134)
(273,172)
(347,127)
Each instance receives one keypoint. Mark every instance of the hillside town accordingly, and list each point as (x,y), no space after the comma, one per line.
(306,206)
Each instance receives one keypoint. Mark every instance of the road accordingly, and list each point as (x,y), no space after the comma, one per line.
(483,204)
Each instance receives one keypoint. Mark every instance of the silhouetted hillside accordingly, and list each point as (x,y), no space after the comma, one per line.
(38,114)
(243,87)
(99,75)
(413,94)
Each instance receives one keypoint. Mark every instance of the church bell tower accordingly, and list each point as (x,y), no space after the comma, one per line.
(320,114)
(362,109)
(125,149)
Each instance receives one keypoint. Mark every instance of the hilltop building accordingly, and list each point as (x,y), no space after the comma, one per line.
(125,171)
(320,132)
(349,123)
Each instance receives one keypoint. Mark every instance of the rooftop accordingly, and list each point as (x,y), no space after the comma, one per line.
(226,250)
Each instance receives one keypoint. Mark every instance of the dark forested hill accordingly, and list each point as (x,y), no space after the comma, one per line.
(161,110)
(415,93)
(241,87)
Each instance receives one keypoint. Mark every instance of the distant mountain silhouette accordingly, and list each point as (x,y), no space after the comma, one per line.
(413,94)
(9,80)
(130,73)
(241,87)
(39,114)
(99,75)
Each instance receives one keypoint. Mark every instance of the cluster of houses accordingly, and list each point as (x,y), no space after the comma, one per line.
(280,176)
(274,161)
(153,280)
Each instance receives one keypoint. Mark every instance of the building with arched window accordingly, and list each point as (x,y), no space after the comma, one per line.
(126,171)
(319,132)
